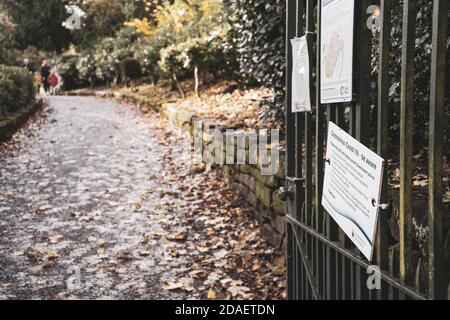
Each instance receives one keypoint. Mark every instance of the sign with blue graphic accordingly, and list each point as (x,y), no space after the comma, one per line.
(352,187)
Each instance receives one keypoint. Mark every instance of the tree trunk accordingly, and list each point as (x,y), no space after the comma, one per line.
(196,85)
(178,84)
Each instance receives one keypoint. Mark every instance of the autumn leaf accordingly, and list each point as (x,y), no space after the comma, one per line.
(125,256)
(32,254)
(179,236)
(136,207)
(212,295)
(238,290)
(51,256)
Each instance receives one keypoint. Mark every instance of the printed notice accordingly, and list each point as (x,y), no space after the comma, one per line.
(352,187)
(336,47)
(301,94)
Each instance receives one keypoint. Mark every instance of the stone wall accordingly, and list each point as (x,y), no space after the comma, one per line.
(260,191)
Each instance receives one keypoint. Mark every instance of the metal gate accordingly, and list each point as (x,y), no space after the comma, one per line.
(322,263)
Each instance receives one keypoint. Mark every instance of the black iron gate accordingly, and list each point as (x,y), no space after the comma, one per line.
(322,263)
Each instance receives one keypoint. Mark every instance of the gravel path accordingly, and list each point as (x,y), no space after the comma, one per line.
(91,209)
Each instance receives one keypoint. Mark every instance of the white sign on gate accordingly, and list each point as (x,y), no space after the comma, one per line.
(301,82)
(336,48)
(352,187)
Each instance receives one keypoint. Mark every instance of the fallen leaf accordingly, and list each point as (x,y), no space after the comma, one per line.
(145,239)
(180,236)
(256,267)
(238,290)
(221,254)
(172,286)
(212,295)
(125,256)
(144,253)
(55,239)
(51,256)
(136,207)
(32,254)
(278,271)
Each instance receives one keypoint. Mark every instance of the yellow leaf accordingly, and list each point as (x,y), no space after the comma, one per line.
(212,295)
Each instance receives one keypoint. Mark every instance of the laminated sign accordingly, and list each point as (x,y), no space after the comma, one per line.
(336,50)
(301,95)
(352,187)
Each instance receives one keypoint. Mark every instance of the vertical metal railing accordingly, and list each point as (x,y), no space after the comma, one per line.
(382,244)
(406,138)
(437,289)
(321,261)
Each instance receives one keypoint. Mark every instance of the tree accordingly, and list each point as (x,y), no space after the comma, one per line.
(39,23)
(6,40)
(103,19)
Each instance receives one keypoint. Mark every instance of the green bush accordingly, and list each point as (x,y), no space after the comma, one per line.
(107,69)
(257,35)
(131,68)
(67,68)
(86,68)
(16,89)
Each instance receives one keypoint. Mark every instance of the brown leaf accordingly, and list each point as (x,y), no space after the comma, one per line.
(180,236)
(125,256)
(145,239)
(32,254)
(212,295)
(136,207)
(52,256)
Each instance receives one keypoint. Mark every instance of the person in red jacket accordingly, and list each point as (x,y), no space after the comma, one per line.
(53,82)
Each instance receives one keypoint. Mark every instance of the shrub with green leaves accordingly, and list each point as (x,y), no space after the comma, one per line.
(257,35)
(86,68)
(131,68)
(106,65)
(16,89)
(67,69)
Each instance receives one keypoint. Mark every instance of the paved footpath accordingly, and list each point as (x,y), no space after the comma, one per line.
(73,192)
(89,208)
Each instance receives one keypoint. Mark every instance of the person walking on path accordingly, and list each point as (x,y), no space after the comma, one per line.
(53,81)
(27,65)
(45,73)
(38,82)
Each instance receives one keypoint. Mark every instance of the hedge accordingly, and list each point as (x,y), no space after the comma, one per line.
(16,89)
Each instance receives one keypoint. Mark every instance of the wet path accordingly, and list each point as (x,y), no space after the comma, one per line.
(96,202)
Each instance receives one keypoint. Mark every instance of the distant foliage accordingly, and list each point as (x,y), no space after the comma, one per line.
(6,38)
(38,23)
(131,68)
(16,89)
(86,68)
(67,68)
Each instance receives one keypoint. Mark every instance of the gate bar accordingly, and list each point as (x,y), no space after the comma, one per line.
(358,262)
(437,284)
(406,138)
(383,132)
